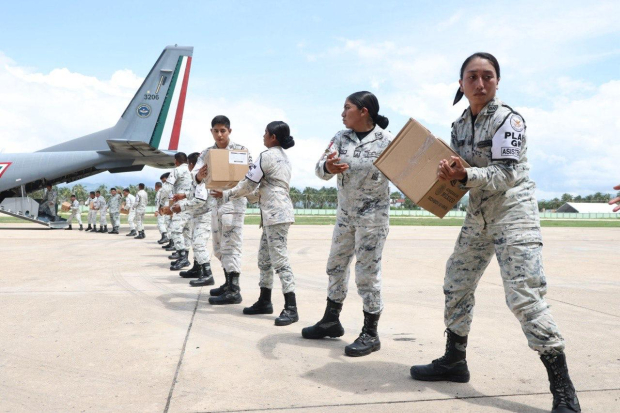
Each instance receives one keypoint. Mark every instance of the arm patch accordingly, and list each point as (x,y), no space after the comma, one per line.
(255,174)
(508,139)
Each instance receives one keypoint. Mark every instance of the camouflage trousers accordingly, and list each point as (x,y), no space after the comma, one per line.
(92,217)
(201,232)
(228,239)
(181,230)
(273,256)
(47,210)
(519,254)
(115,219)
(131,219)
(161,224)
(367,245)
(168,221)
(140,219)
(77,215)
(102,217)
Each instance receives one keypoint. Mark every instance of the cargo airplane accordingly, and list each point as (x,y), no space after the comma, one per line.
(153,117)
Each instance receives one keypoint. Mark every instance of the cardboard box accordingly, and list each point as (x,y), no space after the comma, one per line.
(226,168)
(411,162)
(65,206)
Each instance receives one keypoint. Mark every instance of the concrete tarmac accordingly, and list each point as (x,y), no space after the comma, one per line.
(98,323)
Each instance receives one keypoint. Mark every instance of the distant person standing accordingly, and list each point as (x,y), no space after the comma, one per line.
(75,213)
(92,212)
(142,199)
(48,203)
(167,189)
(270,174)
(362,221)
(161,218)
(179,226)
(502,220)
(114,207)
(101,206)
(130,201)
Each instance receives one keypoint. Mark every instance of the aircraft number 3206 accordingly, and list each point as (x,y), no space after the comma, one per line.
(151,97)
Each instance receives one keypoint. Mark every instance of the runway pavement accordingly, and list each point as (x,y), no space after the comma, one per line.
(98,323)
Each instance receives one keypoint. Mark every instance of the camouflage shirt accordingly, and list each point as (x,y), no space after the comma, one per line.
(271,174)
(114,205)
(495,146)
(182,179)
(363,191)
(142,199)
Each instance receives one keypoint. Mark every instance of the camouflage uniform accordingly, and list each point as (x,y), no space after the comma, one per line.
(362,220)
(75,213)
(166,193)
(130,201)
(197,206)
(101,206)
(161,219)
(142,199)
(92,214)
(114,207)
(227,220)
(180,225)
(271,174)
(502,218)
(48,203)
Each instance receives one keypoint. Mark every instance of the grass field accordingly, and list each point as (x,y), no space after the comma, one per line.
(410,221)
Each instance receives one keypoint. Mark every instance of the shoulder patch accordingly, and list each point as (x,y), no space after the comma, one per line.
(255,173)
(508,139)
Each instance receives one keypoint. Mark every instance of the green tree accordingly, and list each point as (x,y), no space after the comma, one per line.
(80,192)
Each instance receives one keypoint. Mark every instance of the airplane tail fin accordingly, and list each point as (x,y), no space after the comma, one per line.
(155,113)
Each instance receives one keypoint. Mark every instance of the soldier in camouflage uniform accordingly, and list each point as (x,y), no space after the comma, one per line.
(92,213)
(362,221)
(502,220)
(167,190)
(114,207)
(161,218)
(142,200)
(101,206)
(48,203)
(226,220)
(75,213)
(130,200)
(271,176)
(180,223)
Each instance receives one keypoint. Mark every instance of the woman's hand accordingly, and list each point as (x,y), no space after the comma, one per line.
(176,208)
(216,194)
(616,200)
(202,173)
(452,170)
(332,165)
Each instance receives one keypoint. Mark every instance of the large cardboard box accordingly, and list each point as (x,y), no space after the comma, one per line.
(226,168)
(411,162)
(65,206)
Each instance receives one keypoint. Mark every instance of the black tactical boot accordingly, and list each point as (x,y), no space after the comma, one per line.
(206,277)
(131,233)
(116,230)
(113,231)
(222,288)
(175,255)
(329,325)
(138,236)
(193,272)
(81,227)
(89,228)
(263,305)
(564,396)
(169,244)
(103,229)
(368,340)
(94,228)
(142,234)
(171,247)
(181,262)
(163,239)
(232,295)
(69,228)
(452,366)
(289,314)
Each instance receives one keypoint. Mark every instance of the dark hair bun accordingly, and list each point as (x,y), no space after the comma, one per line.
(287,142)
(382,121)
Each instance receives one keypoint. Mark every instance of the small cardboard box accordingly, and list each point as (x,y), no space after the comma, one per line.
(411,162)
(226,168)
(65,206)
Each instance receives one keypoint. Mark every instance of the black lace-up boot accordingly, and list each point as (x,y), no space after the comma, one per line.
(368,340)
(131,233)
(564,396)
(263,305)
(215,292)
(206,277)
(175,255)
(232,294)
(81,227)
(329,325)
(69,228)
(89,228)
(182,262)
(193,272)
(289,314)
(452,366)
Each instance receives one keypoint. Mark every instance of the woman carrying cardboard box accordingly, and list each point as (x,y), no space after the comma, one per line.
(362,221)
(270,175)
(502,219)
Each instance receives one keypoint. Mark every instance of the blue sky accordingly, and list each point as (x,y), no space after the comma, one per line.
(294,61)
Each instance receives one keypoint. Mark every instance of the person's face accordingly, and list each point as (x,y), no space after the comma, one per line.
(479,83)
(221,135)
(98,194)
(269,140)
(125,193)
(190,166)
(92,196)
(163,180)
(354,118)
(177,163)
(72,198)
(113,192)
